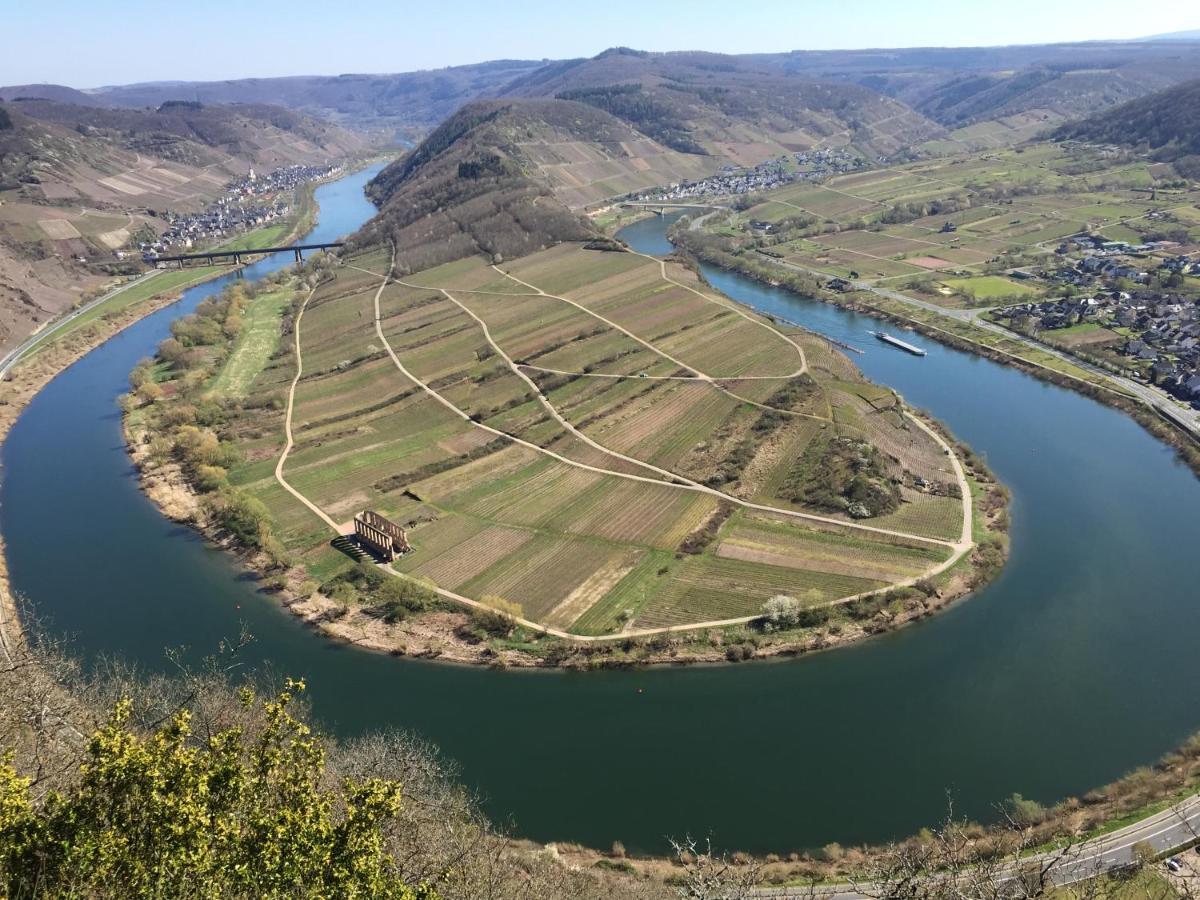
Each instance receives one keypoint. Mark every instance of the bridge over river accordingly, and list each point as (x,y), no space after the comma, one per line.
(236,256)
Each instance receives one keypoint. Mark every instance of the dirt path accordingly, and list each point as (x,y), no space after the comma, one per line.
(542,398)
(714,380)
(958,548)
(287,424)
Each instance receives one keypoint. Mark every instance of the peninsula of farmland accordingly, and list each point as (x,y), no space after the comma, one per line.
(592,441)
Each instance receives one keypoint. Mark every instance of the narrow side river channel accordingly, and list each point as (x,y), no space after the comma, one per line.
(1078,664)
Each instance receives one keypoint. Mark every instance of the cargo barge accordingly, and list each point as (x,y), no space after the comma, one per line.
(896,342)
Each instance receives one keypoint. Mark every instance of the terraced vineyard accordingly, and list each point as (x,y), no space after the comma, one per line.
(596,436)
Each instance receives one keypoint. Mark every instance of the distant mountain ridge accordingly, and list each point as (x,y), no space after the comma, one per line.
(408,103)
(950,85)
(55,92)
(956,85)
(1190,35)
(259,133)
(730,106)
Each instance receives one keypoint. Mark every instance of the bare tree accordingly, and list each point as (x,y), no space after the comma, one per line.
(711,876)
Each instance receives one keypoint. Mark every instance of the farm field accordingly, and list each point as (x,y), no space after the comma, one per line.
(593,436)
(964,220)
(991,287)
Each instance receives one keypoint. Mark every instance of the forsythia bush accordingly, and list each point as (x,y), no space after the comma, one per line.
(171,815)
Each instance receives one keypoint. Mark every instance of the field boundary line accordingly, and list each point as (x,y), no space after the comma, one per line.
(731,305)
(958,548)
(690,378)
(545,401)
(714,380)
(677,481)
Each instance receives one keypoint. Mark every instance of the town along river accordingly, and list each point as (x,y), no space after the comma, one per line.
(1078,664)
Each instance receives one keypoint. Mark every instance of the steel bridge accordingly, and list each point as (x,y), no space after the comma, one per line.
(236,255)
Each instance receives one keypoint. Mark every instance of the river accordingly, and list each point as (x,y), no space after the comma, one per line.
(1076,665)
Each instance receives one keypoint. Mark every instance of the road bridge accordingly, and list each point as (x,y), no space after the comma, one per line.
(661,206)
(211,256)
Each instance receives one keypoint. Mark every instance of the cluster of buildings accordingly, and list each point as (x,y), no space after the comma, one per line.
(1156,333)
(286,179)
(247,203)
(731,180)
(1103,259)
(831,161)
(728,181)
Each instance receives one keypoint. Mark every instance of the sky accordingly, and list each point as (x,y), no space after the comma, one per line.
(84,43)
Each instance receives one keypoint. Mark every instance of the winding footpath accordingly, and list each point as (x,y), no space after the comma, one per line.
(958,548)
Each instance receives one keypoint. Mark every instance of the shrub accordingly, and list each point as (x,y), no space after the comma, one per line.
(782,611)
(1024,812)
(244,517)
(499,618)
(148,392)
(144,816)
(210,478)
(400,597)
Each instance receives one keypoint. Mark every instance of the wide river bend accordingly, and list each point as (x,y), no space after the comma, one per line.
(1076,665)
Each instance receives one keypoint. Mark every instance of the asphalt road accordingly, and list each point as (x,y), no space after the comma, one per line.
(1168,830)
(13,356)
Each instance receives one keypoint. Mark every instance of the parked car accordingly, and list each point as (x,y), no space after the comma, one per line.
(1174,864)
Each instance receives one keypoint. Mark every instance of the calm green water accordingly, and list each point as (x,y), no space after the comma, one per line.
(1078,664)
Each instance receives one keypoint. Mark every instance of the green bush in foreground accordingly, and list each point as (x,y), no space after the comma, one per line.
(166,814)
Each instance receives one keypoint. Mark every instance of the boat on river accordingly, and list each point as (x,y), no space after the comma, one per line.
(896,342)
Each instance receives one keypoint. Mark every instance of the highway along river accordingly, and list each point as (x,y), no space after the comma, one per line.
(1077,665)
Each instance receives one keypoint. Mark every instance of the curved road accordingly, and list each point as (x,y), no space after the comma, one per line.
(14,356)
(1172,829)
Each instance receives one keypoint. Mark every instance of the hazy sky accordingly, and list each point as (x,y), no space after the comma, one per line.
(84,43)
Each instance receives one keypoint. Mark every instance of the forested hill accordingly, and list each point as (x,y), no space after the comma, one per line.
(744,108)
(1167,123)
(472,188)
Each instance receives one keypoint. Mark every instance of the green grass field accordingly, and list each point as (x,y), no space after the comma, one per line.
(255,344)
(990,287)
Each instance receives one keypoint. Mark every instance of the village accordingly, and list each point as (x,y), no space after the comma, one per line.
(808,165)
(237,210)
(1124,308)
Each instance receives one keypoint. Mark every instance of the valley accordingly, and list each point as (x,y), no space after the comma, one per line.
(657,427)
(81,188)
